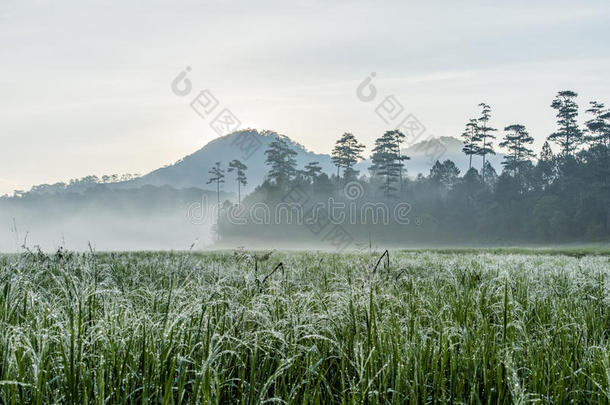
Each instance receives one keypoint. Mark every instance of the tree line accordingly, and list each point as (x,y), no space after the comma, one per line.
(560,196)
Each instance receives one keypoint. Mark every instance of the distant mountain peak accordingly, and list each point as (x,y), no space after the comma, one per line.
(192,170)
(452,145)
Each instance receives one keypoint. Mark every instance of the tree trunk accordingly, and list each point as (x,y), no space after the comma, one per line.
(218,210)
(400,169)
(483,168)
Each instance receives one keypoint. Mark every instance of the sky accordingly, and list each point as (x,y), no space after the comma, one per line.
(87,85)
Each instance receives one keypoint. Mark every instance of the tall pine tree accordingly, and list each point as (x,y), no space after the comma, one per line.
(387,162)
(598,127)
(312,171)
(240,175)
(399,138)
(516,141)
(282,160)
(471,140)
(485,134)
(568,135)
(217,175)
(346,153)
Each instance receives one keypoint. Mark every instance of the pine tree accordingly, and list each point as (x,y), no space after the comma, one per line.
(240,175)
(399,138)
(546,166)
(516,140)
(546,154)
(488,172)
(485,133)
(282,160)
(312,171)
(386,161)
(598,156)
(569,135)
(218,177)
(445,173)
(598,127)
(471,140)
(346,153)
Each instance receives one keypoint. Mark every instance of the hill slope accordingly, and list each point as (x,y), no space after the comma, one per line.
(247,146)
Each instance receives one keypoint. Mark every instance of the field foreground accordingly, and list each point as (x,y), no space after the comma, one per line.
(322,328)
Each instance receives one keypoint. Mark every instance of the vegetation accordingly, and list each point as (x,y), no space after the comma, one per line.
(240,175)
(515,141)
(568,135)
(485,134)
(421,327)
(281,159)
(387,161)
(471,139)
(563,197)
(346,153)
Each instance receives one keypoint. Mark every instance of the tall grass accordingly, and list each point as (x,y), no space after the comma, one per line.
(177,328)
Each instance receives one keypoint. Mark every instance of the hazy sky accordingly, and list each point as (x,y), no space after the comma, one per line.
(86,86)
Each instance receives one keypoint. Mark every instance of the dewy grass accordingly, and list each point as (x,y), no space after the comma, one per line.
(176,328)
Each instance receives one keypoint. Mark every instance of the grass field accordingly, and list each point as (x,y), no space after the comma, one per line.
(432,327)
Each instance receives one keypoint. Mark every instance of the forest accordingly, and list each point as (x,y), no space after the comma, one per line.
(556,196)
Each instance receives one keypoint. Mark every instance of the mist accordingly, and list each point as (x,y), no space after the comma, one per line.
(106,220)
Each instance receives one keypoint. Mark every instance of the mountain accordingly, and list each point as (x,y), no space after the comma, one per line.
(247,145)
(425,153)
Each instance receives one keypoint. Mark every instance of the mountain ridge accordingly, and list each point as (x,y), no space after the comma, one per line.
(249,145)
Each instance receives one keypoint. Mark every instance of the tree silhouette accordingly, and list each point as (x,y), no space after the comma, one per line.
(346,153)
(240,175)
(569,135)
(598,127)
(471,140)
(218,177)
(488,172)
(485,133)
(312,171)
(546,164)
(386,161)
(445,174)
(282,160)
(546,153)
(399,138)
(516,140)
